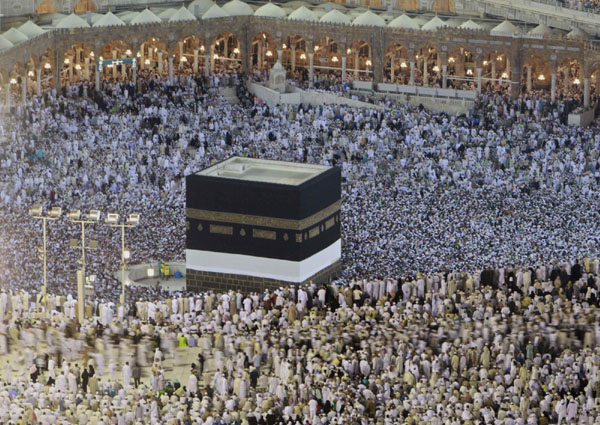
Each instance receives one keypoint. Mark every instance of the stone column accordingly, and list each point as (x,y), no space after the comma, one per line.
(39,81)
(553,87)
(170,69)
(311,69)
(356,65)
(529,70)
(160,63)
(180,55)
(195,66)
(114,67)
(71,71)
(142,61)
(344,68)
(97,80)
(412,73)
(134,73)
(425,74)
(507,67)
(207,64)
(478,70)
(445,76)
(259,54)
(24,87)
(586,93)
(392,68)
(493,67)
(8,95)
(86,69)
(293,61)
(212,58)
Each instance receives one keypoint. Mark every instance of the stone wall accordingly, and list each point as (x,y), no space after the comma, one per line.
(201,281)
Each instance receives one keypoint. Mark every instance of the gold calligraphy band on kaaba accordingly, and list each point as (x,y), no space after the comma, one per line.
(271,222)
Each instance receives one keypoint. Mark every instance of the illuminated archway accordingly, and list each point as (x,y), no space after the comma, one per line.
(327,57)
(263,51)
(226,54)
(397,69)
(77,65)
(117,49)
(153,56)
(359,62)
(428,71)
(188,55)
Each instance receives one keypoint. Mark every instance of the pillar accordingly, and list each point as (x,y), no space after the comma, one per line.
(207,64)
(586,93)
(356,66)
(392,68)
(425,75)
(71,71)
(293,62)
(39,80)
(212,58)
(529,70)
(478,70)
(344,68)
(311,69)
(142,61)
(24,87)
(259,54)
(134,73)
(445,76)
(8,95)
(412,73)
(195,66)
(97,80)
(493,67)
(86,69)
(180,55)
(553,87)
(160,63)
(170,69)
(507,66)
(226,48)
(114,68)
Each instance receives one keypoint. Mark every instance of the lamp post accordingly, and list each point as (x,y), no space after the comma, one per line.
(133,220)
(82,279)
(54,214)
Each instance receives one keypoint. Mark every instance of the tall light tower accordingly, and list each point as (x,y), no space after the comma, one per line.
(133,220)
(54,214)
(82,279)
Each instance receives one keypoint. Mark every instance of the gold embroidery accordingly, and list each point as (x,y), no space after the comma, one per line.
(314,232)
(243,232)
(298,237)
(285,237)
(264,234)
(255,220)
(223,230)
(200,228)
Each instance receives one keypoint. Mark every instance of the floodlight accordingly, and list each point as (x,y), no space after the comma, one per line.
(150,272)
(55,212)
(133,219)
(94,215)
(112,218)
(74,215)
(35,210)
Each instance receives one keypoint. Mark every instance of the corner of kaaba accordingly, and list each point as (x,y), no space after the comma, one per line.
(255,224)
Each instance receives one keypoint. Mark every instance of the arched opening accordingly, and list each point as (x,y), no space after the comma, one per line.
(443,6)
(31,76)
(428,69)
(370,3)
(188,56)
(407,4)
(226,54)
(117,49)
(85,6)
(461,73)
(359,60)
(16,82)
(495,70)
(327,60)
(48,67)
(397,68)
(295,57)
(47,6)
(569,79)
(264,51)
(78,64)
(153,57)
(536,75)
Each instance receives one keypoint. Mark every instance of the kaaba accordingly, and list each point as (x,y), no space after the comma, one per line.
(254,224)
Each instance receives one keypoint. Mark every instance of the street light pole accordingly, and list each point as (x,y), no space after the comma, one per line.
(82,279)
(53,214)
(132,221)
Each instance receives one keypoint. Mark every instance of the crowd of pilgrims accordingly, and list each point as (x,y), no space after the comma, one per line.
(469,289)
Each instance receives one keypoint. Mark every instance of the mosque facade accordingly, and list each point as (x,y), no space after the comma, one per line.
(379,47)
